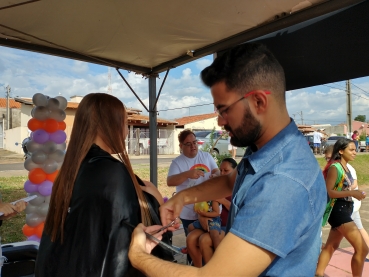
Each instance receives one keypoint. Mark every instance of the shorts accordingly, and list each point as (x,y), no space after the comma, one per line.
(213,225)
(341,213)
(317,145)
(367,143)
(356,218)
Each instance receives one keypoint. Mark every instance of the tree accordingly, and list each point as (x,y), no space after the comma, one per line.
(361,118)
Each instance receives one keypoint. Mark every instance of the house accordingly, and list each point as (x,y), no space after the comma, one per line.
(14,116)
(195,123)
(137,122)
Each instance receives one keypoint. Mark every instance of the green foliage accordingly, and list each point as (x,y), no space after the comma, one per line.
(209,147)
(360,117)
(362,136)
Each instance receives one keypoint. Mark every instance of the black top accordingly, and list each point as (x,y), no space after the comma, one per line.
(96,241)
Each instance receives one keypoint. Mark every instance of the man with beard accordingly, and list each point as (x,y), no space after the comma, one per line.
(279,193)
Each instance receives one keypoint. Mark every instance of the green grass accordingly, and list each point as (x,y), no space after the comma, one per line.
(12,189)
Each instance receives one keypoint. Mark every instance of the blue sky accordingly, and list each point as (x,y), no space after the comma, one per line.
(28,73)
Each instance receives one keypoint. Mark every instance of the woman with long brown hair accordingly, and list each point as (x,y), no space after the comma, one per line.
(338,182)
(94,196)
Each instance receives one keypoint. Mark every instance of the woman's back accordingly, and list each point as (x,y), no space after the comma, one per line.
(95,239)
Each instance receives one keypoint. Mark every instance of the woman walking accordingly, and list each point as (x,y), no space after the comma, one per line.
(338,181)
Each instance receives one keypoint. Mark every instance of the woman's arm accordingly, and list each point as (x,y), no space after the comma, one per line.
(152,189)
(330,182)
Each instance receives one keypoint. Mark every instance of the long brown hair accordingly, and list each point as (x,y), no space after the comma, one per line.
(98,114)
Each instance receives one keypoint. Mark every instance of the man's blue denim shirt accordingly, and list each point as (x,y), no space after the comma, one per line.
(278,203)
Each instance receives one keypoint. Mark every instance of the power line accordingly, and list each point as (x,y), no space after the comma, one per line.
(358,95)
(360,88)
(186,107)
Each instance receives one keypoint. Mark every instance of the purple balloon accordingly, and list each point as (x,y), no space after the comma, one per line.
(45,188)
(40,136)
(58,136)
(30,187)
(33,238)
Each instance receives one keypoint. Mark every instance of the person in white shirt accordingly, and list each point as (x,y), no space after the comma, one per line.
(189,169)
(317,141)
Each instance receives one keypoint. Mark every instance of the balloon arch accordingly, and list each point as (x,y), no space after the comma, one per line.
(47,147)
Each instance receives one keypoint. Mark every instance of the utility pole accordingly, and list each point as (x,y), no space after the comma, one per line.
(8,89)
(349,107)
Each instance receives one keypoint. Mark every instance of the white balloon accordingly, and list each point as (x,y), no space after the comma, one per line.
(61,146)
(31,208)
(50,166)
(34,219)
(43,209)
(33,146)
(63,103)
(39,99)
(47,199)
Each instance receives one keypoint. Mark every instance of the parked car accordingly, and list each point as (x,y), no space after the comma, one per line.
(332,140)
(144,143)
(362,145)
(310,141)
(203,138)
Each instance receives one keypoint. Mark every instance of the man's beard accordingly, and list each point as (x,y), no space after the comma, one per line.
(248,132)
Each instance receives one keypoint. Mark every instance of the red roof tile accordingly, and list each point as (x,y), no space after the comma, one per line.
(12,103)
(194,118)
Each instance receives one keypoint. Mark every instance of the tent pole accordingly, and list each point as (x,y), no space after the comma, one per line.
(153,131)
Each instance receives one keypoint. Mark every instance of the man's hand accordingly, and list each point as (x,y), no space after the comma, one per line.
(140,243)
(215,173)
(195,174)
(171,210)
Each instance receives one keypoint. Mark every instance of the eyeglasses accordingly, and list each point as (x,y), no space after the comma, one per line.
(223,113)
(189,144)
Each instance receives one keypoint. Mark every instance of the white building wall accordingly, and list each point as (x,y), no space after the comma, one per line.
(207,124)
(13,139)
(25,114)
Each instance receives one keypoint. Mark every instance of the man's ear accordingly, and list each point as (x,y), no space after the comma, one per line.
(260,101)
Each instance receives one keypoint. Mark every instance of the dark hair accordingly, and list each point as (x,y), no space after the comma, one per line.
(97,114)
(183,135)
(247,67)
(341,144)
(231,161)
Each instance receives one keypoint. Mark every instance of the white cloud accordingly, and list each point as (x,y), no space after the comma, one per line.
(202,63)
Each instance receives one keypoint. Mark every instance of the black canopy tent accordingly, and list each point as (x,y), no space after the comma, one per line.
(321,42)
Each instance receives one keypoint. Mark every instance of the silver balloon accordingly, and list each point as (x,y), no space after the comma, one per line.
(29,164)
(61,146)
(58,115)
(33,146)
(31,209)
(63,103)
(59,165)
(43,209)
(39,157)
(33,112)
(49,147)
(34,219)
(50,166)
(38,200)
(47,199)
(57,155)
(39,99)
(41,113)
(52,104)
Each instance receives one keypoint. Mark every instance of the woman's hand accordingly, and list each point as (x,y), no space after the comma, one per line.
(358,194)
(7,209)
(20,206)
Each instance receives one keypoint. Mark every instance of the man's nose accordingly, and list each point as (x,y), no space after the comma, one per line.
(221,121)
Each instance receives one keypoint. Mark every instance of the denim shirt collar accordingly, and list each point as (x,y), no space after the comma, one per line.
(258,158)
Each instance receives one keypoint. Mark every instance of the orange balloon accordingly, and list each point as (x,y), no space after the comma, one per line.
(51,177)
(39,229)
(62,125)
(51,125)
(27,230)
(37,176)
(34,124)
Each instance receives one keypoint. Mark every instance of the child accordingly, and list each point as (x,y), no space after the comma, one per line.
(214,225)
